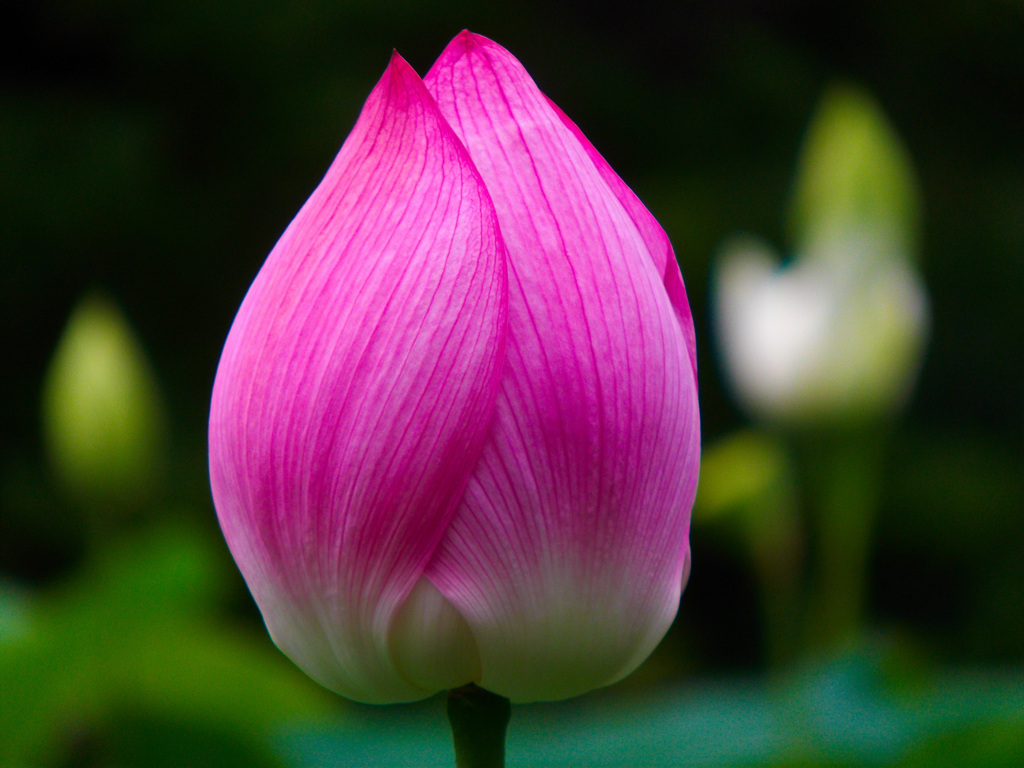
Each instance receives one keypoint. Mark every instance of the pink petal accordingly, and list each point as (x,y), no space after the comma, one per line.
(566,557)
(654,236)
(356,387)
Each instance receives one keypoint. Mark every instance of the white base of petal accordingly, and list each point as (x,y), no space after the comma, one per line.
(431,643)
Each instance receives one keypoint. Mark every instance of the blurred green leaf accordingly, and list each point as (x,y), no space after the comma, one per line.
(136,633)
(988,745)
(156,740)
(14,613)
(740,470)
(849,711)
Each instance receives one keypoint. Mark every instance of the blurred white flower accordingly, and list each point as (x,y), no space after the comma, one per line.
(837,334)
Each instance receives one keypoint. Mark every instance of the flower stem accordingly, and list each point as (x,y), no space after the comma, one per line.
(849,474)
(479,719)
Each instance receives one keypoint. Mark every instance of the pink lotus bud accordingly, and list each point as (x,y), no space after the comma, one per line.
(454,434)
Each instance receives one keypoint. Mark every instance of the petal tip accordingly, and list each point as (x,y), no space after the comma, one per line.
(399,70)
(400,87)
(466,42)
(467,39)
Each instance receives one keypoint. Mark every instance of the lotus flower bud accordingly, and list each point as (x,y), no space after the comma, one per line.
(820,340)
(454,432)
(837,334)
(102,413)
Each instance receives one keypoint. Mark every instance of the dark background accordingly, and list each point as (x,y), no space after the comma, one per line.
(156,150)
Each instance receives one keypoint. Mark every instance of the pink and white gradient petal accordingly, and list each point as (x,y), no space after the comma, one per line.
(355,391)
(567,554)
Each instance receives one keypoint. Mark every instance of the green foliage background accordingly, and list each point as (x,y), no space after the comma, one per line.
(155,151)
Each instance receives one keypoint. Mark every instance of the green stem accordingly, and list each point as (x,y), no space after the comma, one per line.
(479,720)
(779,591)
(848,476)
(776,543)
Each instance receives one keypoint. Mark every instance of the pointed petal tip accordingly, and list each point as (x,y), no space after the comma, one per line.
(483,41)
(469,39)
(399,69)
(466,42)
(400,86)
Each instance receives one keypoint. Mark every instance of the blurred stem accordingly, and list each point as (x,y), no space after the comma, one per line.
(479,720)
(778,577)
(846,470)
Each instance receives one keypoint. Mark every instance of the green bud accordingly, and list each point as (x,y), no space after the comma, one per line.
(853,174)
(102,414)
